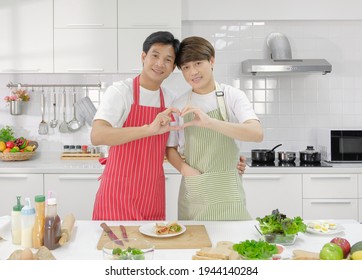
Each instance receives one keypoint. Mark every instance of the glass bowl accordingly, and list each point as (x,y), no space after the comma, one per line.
(282,239)
(128,249)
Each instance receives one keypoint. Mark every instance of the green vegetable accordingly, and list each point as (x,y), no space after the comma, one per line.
(279,223)
(255,250)
(128,254)
(6,134)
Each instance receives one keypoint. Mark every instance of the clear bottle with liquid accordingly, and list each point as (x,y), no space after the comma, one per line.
(16,222)
(52,224)
(27,224)
(38,230)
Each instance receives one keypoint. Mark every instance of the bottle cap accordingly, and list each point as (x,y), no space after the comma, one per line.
(27,209)
(51,198)
(18,205)
(40,198)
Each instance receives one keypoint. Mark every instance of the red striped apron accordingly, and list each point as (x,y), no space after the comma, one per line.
(133,182)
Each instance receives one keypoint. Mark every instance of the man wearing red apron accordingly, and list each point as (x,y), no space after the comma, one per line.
(133,183)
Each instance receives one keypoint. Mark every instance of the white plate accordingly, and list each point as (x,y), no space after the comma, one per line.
(336,230)
(149,230)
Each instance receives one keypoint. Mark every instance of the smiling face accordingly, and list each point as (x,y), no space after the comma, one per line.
(158,64)
(199,75)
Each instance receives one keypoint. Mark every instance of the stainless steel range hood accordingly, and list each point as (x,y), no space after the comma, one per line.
(281,60)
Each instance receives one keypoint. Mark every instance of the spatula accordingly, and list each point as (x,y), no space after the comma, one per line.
(63,127)
(43,126)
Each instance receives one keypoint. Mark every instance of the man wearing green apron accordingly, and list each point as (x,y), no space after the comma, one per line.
(213,117)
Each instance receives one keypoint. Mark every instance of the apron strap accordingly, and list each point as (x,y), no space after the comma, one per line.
(220,100)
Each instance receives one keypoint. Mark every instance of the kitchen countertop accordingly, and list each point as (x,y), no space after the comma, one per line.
(50,163)
(86,234)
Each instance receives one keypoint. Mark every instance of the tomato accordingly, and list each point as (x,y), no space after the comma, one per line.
(331,251)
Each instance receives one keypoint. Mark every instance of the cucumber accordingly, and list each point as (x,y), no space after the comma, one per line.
(356,247)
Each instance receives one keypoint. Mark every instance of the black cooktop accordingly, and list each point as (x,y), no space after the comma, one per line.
(277,163)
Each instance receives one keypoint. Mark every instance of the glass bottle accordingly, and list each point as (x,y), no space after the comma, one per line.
(38,230)
(16,221)
(52,224)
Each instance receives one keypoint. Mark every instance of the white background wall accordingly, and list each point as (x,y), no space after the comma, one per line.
(291,108)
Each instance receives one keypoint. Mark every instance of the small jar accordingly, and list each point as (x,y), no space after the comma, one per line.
(72,148)
(66,149)
(78,149)
(84,149)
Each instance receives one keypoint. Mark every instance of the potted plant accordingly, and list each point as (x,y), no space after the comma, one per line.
(15,100)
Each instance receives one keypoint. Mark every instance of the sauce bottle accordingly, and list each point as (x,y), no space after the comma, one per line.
(38,230)
(27,224)
(16,221)
(52,224)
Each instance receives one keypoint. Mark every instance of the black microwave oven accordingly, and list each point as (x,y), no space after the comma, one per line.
(340,145)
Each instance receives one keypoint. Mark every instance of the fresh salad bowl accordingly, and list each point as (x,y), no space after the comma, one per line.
(128,249)
(280,229)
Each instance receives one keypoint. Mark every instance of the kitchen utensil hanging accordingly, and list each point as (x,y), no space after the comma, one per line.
(63,127)
(54,121)
(74,124)
(43,126)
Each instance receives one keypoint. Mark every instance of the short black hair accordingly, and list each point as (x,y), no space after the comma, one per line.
(161,37)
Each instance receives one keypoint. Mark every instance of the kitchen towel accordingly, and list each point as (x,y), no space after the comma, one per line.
(5,228)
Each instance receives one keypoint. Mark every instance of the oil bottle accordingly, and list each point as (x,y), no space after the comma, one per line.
(52,224)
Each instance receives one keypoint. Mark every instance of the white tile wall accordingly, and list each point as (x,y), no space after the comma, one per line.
(291,108)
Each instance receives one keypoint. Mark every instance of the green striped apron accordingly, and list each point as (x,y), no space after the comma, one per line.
(216,194)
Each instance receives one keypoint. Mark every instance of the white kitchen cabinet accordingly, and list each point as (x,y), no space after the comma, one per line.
(159,14)
(130,43)
(13,185)
(330,196)
(85,14)
(85,50)
(266,192)
(26,29)
(360,197)
(172,188)
(75,193)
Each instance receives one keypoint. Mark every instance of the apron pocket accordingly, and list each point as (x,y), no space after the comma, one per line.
(212,188)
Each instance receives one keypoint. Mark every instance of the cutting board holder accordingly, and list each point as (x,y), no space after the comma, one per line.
(195,237)
(80,156)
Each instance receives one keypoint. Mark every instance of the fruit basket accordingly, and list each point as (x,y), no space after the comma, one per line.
(16,156)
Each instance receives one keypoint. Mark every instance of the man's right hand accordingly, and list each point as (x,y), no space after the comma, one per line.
(162,123)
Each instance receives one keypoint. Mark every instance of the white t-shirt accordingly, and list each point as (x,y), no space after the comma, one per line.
(117,100)
(238,108)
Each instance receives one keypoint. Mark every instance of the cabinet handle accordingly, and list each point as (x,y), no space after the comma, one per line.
(331,177)
(85,70)
(331,202)
(261,178)
(145,25)
(85,24)
(13,176)
(20,70)
(78,177)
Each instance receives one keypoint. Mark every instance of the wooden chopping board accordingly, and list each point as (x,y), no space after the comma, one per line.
(195,237)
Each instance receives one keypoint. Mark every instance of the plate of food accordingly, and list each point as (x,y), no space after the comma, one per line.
(324,227)
(162,229)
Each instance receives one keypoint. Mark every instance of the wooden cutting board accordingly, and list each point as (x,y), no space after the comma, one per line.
(195,237)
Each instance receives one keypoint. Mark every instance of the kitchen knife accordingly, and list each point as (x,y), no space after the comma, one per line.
(111,234)
(124,232)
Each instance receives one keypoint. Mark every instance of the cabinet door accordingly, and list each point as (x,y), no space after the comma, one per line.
(172,187)
(85,50)
(330,186)
(85,14)
(26,29)
(330,209)
(12,185)
(265,193)
(149,14)
(130,42)
(75,193)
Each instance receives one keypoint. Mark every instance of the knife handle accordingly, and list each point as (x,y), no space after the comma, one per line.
(124,232)
(105,227)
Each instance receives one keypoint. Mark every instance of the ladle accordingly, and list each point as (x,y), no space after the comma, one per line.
(74,124)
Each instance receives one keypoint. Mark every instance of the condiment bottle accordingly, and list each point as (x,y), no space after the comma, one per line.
(52,224)
(16,221)
(38,231)
(27,224)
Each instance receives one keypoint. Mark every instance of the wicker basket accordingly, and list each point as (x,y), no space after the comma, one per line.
(16,156)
